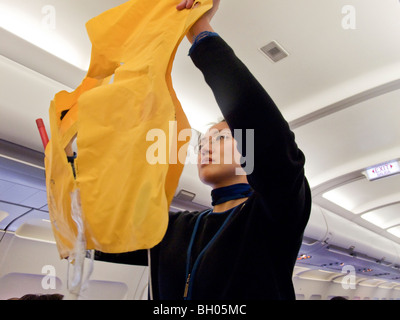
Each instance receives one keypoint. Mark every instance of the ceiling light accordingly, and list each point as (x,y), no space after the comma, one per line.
(395,231)
(384,217)
(374,218)
(30,28)
(340,198)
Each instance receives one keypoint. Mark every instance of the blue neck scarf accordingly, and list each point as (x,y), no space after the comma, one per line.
(235,191)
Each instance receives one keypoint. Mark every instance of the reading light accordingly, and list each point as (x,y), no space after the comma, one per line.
(304,257)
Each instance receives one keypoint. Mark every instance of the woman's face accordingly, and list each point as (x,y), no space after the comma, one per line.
(218,158)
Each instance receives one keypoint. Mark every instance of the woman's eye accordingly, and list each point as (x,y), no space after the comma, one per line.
(224,136)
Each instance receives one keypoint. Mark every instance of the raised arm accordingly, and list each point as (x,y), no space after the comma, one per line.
(278,172)
(204,23)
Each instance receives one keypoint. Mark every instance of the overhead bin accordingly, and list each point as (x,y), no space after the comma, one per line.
(349,238)
(316,229)
(10,213)
(396,251)
(36,229)
(16,285)
(346,234)
(384,250)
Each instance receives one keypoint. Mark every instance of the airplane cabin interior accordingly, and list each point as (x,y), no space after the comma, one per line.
(333,69)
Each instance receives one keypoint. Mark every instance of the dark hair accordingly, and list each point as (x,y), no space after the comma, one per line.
(43,297)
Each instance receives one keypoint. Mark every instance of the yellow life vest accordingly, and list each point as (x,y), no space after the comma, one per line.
(127,92)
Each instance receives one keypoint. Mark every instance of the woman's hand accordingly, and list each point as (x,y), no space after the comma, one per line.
(203,24)
(190,4)
(185,4)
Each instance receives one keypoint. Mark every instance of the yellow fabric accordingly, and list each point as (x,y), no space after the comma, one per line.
(124,199)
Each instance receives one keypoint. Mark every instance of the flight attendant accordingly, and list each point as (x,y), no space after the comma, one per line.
(246,246)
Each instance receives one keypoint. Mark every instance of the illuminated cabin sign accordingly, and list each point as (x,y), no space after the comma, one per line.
(382,170)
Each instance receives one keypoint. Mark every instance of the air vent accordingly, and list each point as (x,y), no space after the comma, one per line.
(185,195)
(274,51)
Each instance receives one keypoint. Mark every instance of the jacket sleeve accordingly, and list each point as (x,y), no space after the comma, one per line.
(138,258)
(274,164)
